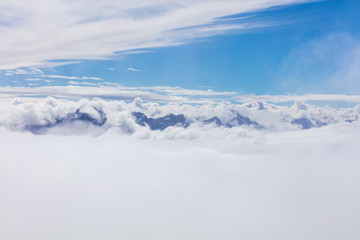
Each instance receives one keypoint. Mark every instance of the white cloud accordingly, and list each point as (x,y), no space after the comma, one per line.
(32,33)
(53,116)
(306,97)
(133,70)
(202,182)
(82,83)
(161,93)
(23,71)
(72,77)
(119,92)
(301,184)
(78,92)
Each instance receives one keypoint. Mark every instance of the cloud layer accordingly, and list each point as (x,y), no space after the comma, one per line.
(34,33)
(167,121)
(298,185)
(79,88)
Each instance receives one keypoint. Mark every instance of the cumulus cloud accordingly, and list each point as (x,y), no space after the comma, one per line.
(32,34)
(167,121)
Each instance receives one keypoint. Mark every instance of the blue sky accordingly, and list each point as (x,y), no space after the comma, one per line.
(297,48)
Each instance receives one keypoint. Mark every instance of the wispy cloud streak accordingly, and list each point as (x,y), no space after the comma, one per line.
(72,77)
(32,33)
(306,97)
(133,70)
(160,93)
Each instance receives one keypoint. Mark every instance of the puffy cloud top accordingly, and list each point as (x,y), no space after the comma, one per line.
(172,120)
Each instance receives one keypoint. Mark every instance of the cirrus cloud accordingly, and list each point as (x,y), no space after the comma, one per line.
(38,32)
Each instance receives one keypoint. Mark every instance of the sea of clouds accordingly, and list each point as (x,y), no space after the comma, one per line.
(66,173)
(188,121)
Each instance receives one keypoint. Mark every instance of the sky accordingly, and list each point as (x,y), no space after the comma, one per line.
(271,47)
(179,119)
